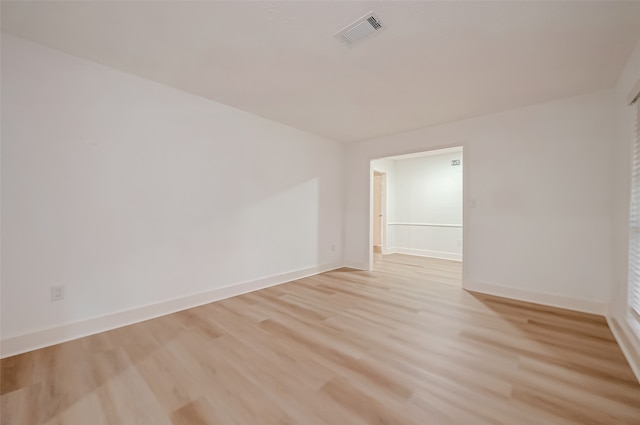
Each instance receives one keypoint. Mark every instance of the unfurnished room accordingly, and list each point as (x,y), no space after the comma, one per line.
(320,212)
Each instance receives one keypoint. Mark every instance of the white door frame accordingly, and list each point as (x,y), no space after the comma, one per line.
(383,208)
(465,183)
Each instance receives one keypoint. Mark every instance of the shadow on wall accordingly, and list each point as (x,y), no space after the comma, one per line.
(131,193)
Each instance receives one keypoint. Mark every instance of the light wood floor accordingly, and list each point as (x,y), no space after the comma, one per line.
(401,345)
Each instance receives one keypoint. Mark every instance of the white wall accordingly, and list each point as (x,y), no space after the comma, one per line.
(428,190)
(621,190)
(131,193)
(541,178)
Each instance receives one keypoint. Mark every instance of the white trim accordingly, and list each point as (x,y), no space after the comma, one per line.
(426,224)
(430,152)
(553,300)
(46,337)
(423,151)
(628,342)
(426,253)
(359,265)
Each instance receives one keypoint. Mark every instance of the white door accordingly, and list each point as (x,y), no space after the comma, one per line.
(378,187)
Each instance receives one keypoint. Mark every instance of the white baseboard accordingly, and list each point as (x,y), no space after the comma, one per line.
(628,342)
(46,337)
(544,298)
(355,265)
(427,253)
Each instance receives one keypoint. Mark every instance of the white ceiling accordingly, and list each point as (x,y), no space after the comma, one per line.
(436,61)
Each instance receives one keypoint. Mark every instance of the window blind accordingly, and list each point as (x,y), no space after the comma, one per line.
(634,227)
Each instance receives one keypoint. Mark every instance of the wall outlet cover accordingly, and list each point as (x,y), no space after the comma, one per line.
(57,293)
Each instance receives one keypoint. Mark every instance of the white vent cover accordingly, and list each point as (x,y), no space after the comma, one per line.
(363,27)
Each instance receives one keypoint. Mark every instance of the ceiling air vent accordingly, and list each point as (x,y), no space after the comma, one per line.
(362,28)
(374,23)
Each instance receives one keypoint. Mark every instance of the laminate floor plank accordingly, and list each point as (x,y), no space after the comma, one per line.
(403,344)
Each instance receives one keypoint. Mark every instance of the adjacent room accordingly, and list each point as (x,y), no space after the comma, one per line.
(313,212)
(416,212)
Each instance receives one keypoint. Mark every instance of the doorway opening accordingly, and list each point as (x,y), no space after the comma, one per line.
(379,210)
(416,207)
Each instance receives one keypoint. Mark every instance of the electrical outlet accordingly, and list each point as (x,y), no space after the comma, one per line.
(333,248)
(57,293)
(459,242)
